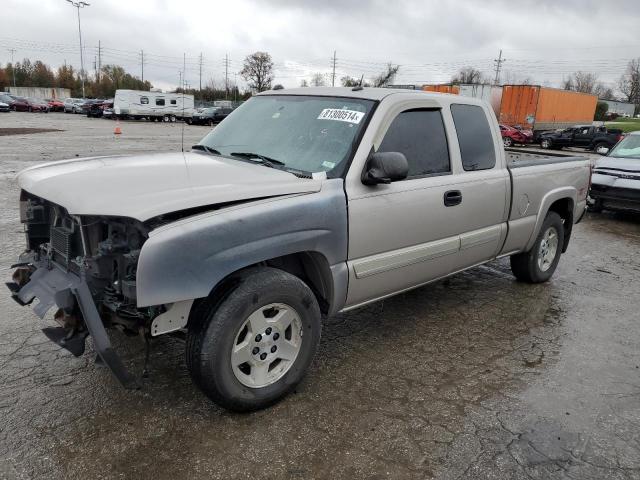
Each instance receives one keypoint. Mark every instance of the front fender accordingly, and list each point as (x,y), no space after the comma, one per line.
(187,259)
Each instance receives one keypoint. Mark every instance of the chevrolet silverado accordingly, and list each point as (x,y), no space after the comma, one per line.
(301,204)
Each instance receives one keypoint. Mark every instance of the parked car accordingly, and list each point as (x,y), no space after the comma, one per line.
(73,105)
(303,203)
(37,105)
(97,107)
(209,116)
(17,104)
(515,135)
(108,112)
(582,136)
(615,184)
(55,105)
(4,107)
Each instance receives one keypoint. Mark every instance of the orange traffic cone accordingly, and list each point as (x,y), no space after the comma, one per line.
(117,130)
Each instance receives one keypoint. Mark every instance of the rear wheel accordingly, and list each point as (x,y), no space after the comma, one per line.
(538,264)
(507,141)
(252,347)
(546,143)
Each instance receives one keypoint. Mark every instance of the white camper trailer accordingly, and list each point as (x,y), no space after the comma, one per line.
(157,106)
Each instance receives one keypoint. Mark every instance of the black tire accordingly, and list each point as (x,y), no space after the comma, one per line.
(546,143)
(30,109)
(507,142)
(215,323)
(599,145)
(525,265)
(210,123)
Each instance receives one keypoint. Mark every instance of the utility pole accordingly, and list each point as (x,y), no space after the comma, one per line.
(99,59)
(498,61)
(78,6)
(200,87)
(142,64)
(235,87)
(13,66)
(180,73)
(333,75)
(226,76)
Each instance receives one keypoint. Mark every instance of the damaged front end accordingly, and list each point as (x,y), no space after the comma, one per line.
(86,267)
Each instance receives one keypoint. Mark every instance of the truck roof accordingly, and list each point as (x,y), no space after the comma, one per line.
(367,93)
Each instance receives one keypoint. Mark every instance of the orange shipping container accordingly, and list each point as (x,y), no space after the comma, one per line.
(543,108)
(454,89)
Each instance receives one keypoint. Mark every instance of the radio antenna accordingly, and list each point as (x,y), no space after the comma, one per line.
(184,72)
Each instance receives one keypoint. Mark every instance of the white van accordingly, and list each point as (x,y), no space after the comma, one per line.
(157,106)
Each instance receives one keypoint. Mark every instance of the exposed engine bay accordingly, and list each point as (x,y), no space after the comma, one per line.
(104,250)
(86,267)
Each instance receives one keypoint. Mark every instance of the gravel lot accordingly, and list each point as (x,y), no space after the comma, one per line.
(477,376)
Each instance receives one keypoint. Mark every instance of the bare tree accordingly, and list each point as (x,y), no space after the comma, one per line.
(629,83)
(468,75)
(585,82)
(510,77)
(582,82)
(386,77)
(317,80)
(304,83)
(348,81)
(257,70)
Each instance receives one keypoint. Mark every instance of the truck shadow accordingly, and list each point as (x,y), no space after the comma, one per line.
(398,376)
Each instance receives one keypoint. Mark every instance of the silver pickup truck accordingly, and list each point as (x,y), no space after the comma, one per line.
(301,204)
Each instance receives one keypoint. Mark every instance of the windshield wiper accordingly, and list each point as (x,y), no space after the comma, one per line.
(264,160)
(204,148)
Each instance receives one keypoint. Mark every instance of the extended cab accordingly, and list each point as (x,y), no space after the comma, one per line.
(599,139)
(301,204)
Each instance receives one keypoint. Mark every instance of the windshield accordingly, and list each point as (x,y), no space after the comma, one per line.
(305,133)
(628,147)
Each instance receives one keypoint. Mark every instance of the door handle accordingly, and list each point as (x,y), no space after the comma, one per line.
(452,197)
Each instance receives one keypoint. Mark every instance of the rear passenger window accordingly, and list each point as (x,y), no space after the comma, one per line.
(474,137)
(159,101)
(420,136)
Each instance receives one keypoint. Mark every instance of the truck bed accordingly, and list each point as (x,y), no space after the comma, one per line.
(517,158)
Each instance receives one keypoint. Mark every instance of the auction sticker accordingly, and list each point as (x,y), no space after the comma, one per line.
(340,115)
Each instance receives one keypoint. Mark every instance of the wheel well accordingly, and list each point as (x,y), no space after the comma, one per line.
(310,267)
(313,269)
(564,208)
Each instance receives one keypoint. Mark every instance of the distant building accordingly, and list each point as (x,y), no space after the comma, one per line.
(620,108)
(40,92)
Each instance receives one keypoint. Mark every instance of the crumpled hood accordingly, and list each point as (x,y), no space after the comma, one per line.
(148,185)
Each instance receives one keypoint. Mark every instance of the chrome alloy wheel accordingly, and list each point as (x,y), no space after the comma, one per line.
(267,345)
(548,249)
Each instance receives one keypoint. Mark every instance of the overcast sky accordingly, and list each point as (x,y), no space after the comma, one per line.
(544,40)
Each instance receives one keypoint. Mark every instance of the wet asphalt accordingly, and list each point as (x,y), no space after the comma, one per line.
(477,376)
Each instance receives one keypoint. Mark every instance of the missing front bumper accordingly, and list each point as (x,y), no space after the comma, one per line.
(51,285)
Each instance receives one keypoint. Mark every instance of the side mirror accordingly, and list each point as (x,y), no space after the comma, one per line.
(385,167)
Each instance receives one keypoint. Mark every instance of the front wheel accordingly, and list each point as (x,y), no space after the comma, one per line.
(249,349)
(602,148)
(538,264)
(546,143)
(507,142)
